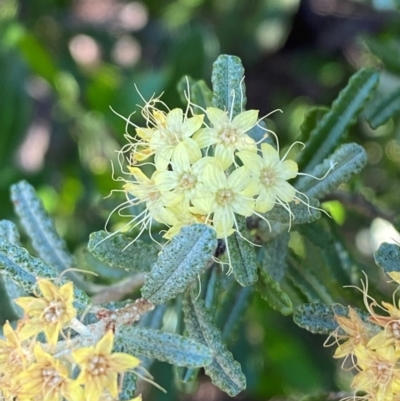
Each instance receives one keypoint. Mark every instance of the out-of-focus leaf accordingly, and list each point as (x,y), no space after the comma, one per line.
(9,231)
(228,86)
(233,309)
(344,111)
(271,292)
(224,371)
(37,57)
(348,160)
(311,119)
(167,347)
(306,281)
(384,108)
(388,257)
(242,255)
(199,93)
(274,255)
(387,50)
(24,269)
(15,104)
(119,251)
(180,262)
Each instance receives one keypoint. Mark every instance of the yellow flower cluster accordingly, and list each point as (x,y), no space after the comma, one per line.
(206,168)
(372,347)
(34,371)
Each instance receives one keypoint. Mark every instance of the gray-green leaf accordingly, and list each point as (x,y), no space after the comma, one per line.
(167,347)
(388,257)
(242,255)
(348,160)
(280,220)
(228,86)
(40,227)
(224,371)
(320,318)
(119,251)
(180,262)
(9,231)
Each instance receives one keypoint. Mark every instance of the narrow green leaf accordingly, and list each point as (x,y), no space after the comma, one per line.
(271,292)
(167,347)
(9,231)
(305,279)
(348,160)
(210,286)
(343,113)
(242,255)
(180,262)
(119,251)
(40,227)
(24,269)
(232,310)
(320,318)
(311,119)
(388,257)
(274,253)
(281,221)
(385,107)
(224,371)
(228,86)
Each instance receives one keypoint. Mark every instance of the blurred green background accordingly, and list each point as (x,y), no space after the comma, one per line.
(64,63)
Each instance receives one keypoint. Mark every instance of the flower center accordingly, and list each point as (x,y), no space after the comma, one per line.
(54,311)
(382,372)
(224,196)
(268,177)
(395,326)
(97,365)
(187,181)
(229,136)
(51,378)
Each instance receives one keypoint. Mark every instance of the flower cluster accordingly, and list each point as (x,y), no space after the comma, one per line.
(31,370)
(205,168)
(373,347)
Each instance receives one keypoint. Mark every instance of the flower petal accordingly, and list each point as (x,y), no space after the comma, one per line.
(217,117)
(269,154)
(246,120)
(224,155)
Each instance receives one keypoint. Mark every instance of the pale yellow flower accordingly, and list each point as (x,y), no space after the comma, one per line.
(222,197)
(145,190)
(380,373)
(165,132)
(270,175)
(356,334)
(228,135)
(13,355)
(181,181)
(49,313)
(48,380)
(100,367)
